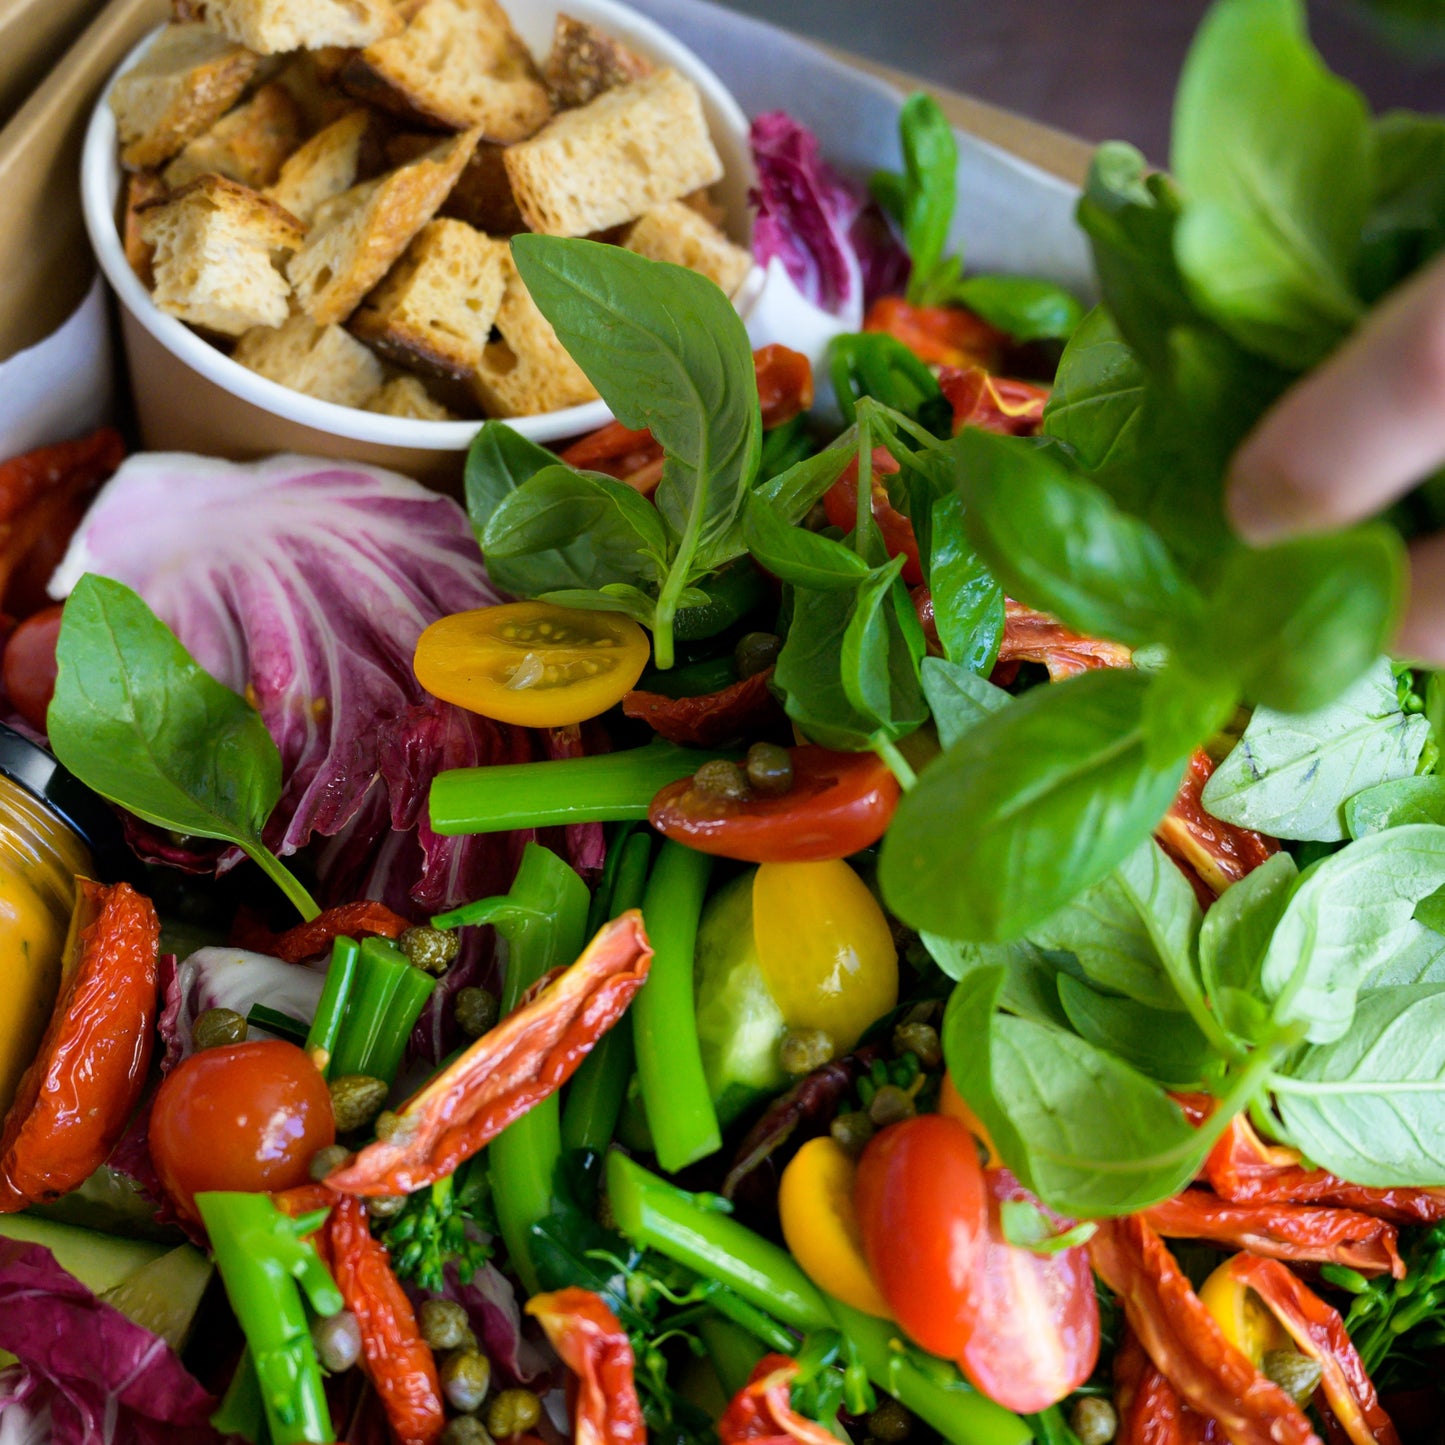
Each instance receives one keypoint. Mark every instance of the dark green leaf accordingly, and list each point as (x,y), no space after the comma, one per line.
(1406,223)
(791,494)
(1183,710)
(1098,393)
(795,555)
(958,697)
(1031,974)
(923,197)
(499,460)
(1025,307)
(1166,1047)
(1430,912)
(968,600)
(1393,805)
(615,597)
(872,363)
(1026,1226)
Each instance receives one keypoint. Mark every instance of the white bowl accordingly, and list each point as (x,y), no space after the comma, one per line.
(148,330)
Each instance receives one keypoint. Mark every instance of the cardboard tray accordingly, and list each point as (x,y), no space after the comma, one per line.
(1017,184)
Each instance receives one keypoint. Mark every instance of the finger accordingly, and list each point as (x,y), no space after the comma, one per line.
(1355,434)
(1422,634)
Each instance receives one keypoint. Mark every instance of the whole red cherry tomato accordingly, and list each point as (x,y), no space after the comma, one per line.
(840,502)
(28,670)
(243,1116)
(923,1209)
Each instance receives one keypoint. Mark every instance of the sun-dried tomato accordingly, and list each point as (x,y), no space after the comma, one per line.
(1033,636)
(1319,1332)
(939,335)
(993,403)
(525,1059)
(840,502)
(1150,1410)
(738,710)
(591,1342)
(1186,1344)
(1283,1231)
(313,938)
(762,1411)
(74,1101)
(1218,852)
(785,384)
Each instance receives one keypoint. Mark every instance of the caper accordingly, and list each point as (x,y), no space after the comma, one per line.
(920,1040)
(432,950)
(756,652)
(804,1050)
(1093,1420)
(851,1132)
(338,1341)
(444,1324)
(386,1206)
(1295,1373)
(890,1422)
(217,1027)
(891,1105)
(356,1100)
(476,1011)
(323,1161)
(466,1375)
(464,1430)
(389,1126)
(723,779)
(769,770)
(512,1412)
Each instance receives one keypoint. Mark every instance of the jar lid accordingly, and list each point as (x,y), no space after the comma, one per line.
(85,812)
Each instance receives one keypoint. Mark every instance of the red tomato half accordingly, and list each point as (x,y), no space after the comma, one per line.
(839,803)
(243,1117)
(923,1209)
(840,502)
(28,670)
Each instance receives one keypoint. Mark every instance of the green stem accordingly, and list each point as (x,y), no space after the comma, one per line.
(897,763)
(241,1411)
(331,1007)
(664,1020)
(733,1352)
(386,997)
(283,878)
(603,788)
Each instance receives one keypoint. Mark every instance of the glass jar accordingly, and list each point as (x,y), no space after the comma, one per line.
(52,830)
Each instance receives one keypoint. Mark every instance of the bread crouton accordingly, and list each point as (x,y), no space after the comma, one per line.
(324,167)
(434,310)
(675,232)
(406,396)
(322,361)
(188,79)
(357,235)
(458,63)
(270,27)
(247,144)
(527,371)
(632,148)
(142,188)
(216,247)
(482,196)
(584,61)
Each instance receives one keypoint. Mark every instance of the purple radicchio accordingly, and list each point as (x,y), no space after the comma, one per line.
(834,243)
(86,1374)
(305,584)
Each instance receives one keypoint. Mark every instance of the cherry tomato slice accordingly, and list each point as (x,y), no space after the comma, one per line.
(923,1209)
(838,804)
(532,663)
(28,669)
(243,1116)
(840,502)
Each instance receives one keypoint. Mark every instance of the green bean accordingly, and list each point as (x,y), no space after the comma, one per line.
(664,1021)
(733,1351)
(387,996)
(331,1006)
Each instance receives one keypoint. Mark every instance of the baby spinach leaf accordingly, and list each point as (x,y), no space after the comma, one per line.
(798,556)
(1292,775)
(1395,804)
(138,720)
(1031,974)
(958,697)
(1165,1046)
(1349,916)
(1098,393)
(1024,307)
(1274,154)
(1057,790)
(1430,912)
(1368,1106)
(923,197)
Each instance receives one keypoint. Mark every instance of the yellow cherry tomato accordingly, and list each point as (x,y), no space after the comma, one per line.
(820,1225)
(1242,1315)
(532,663)
(824,948)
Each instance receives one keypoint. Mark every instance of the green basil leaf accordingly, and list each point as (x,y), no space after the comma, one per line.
(1406,222)
(1273,153)
(958,697)
(791,494)
(1057,790)
(1165,1046)
(1057,542)
(968,600)
(1396,804)
(1031,974)
(1368,1106)
(499,461)
(1349,916)
(1098,393)
(1026,1226)
(923,197)
(565,529)
(875,364)
(140,722)
(1294,775)
(798,556)
(1025,307)
(1183,710)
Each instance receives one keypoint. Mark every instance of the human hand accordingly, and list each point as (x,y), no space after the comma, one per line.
(1354,435)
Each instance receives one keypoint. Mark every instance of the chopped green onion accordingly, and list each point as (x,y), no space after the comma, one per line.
(275,1022)
(331,1006)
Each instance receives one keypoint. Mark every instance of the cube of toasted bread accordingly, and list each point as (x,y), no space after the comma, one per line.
(527,371)
(584,61)
(434,310)
(188,79)
(247,144)
(323,361)
(675,232)
(142,188)
(322,168)
(357,235)
(482,196)
(634,147)
(270,27)
(406,396)
(458,63)
(216,246)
